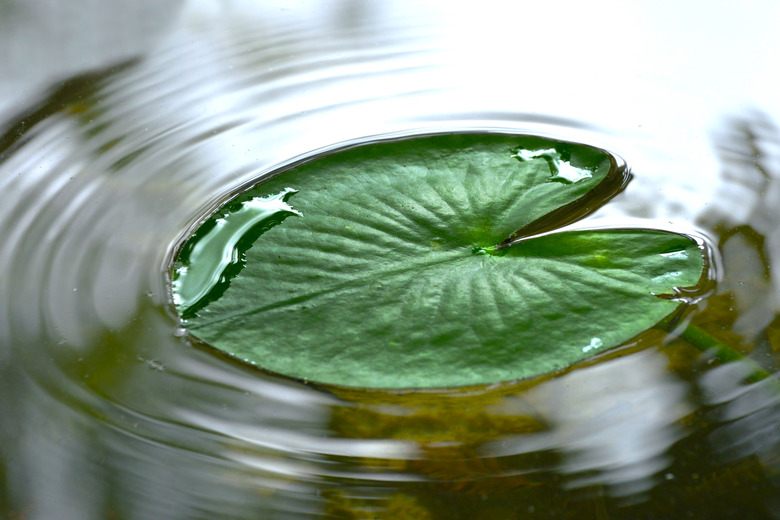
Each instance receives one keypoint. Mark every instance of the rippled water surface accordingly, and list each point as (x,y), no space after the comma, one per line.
(123,126)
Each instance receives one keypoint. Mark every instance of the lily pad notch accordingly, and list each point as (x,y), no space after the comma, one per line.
(429,261)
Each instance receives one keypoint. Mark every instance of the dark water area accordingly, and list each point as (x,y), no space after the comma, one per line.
(123,125)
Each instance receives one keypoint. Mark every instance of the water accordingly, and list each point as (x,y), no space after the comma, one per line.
(121,129)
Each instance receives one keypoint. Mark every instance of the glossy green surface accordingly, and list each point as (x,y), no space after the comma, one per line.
(410,264)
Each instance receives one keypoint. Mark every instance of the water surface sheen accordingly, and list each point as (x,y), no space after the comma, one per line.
(114,149)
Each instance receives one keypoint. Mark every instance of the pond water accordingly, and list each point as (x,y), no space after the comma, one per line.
(123,124)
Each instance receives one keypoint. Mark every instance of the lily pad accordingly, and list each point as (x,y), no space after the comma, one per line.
(429,262)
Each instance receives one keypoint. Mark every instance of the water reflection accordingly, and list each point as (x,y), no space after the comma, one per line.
(614,423)
(111,411)
(46,41)
(745,219)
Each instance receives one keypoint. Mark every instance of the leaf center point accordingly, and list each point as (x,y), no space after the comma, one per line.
(489,250)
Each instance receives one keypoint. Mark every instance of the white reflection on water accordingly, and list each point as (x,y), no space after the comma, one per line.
(746,217)
(748,413)
(613,423)
(45,41)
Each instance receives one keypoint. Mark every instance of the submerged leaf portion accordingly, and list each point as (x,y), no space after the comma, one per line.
(412,264)
(216,253)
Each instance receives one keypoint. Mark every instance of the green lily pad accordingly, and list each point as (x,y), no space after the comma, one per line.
(429,262)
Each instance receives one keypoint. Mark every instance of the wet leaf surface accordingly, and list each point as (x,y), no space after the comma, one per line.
(417,263)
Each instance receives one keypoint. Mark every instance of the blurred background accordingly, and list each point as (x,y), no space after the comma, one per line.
(123,124)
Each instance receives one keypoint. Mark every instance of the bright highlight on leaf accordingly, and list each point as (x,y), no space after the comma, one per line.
(216,253)
(429,262)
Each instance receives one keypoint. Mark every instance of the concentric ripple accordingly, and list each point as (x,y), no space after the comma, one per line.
(110,409)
